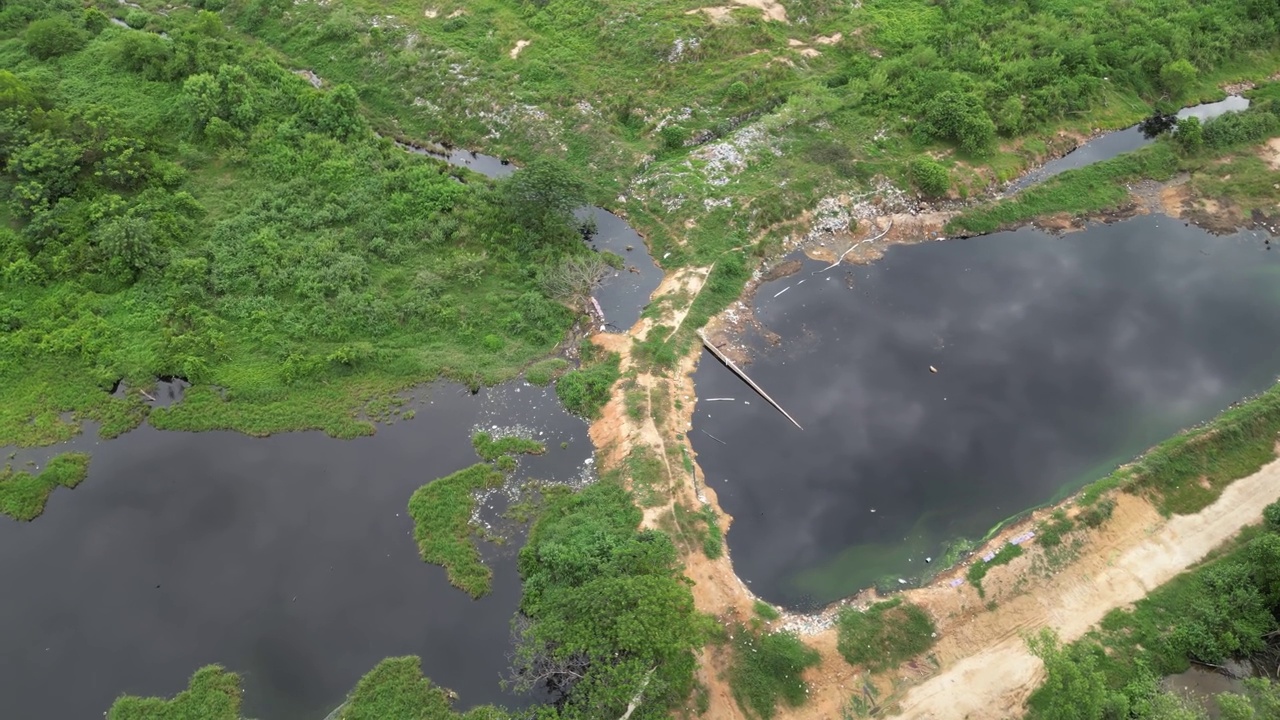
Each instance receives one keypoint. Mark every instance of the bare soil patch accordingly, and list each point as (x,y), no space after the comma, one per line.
(1270,153)
(520,45)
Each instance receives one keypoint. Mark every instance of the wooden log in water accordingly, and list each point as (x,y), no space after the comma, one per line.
(716,351)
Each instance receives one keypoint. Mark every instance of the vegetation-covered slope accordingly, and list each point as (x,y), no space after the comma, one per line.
(182,205)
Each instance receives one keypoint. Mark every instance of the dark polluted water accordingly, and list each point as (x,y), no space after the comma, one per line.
(288,559)
(1057,358)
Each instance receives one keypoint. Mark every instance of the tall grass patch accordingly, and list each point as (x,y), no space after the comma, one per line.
(884,635)
(767,669)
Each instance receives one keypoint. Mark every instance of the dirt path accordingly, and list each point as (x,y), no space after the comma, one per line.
(995,679)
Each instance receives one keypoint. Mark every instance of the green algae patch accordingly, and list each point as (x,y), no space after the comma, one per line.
(23,495)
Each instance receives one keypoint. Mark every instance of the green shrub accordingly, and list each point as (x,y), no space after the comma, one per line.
(585,391)
(765,610)
(884,635)
(767,669)
(396,688)
(137,19)
(674,137)
(930,177)
(1271,517)
(736,92)
(53,36)
(959,118)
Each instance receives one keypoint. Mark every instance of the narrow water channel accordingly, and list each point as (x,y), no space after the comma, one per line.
(1057,358)
(1112,144)
(288,559)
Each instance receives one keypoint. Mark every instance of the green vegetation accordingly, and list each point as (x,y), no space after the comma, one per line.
(697,530)
(1049,533)
(395,688)
(606,616)
(490,449)
(884,635)
(644,469)
(1098,513)
(212,694)
(1226,608)
(1101,186)
(979,569)
(930,177)
(441,512)
(765,611)
(544,372)
(1186,473)
(186,206)
(766,669)
(586,390)
(23,495)
(648,95)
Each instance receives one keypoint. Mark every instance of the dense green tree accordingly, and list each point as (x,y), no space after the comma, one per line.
(1177,77)
(53,36)
(337,112)
(959,118)
(605,617)
(542,196)
(1189,134)
(1227,617)
(1076,688)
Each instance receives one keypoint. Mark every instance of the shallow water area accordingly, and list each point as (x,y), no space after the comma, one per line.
(624,291)
(288,559)
(1105,147)
(1056,359)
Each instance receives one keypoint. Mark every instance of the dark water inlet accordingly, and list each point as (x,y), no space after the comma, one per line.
(288,559)
(1057,358)
(1112,144)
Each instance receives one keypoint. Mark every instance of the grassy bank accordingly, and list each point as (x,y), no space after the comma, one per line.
(1101,187)
(23,495)
(1188,472)
(1226,608)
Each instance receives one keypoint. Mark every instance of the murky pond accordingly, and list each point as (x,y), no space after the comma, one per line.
(1057,358)
(288,559)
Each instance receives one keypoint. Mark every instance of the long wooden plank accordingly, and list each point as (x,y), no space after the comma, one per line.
(716,351)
